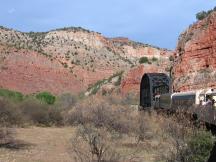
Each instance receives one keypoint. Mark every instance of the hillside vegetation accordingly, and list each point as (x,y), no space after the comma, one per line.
(66,59)
(203,14)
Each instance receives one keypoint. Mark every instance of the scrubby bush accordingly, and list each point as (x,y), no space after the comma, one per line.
(143,60)
(203,14)
(35,112)
(46,97)
(93,144)
(13,95)
(55,117)
(10,113)
(102,113)
(67,100)
(200,146)
(191,144)
(154,59)
(40,114)
(195,148)
(28,112)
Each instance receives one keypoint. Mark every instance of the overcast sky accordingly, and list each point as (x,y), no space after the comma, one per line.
(156,22)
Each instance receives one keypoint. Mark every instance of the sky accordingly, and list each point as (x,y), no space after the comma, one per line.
(155,22)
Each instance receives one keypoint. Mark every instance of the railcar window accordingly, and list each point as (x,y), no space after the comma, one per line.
(184,100)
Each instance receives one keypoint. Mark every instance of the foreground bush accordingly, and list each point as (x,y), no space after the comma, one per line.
(40,114)
(191,144)
(111,122)
(28,112)
(199,146)
(102,113)
(10,114)
(93,144)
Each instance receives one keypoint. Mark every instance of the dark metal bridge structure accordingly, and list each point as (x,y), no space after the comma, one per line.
(153,84)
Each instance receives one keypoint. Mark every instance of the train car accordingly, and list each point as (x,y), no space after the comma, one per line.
(193,102)
(206,111)
(183,100)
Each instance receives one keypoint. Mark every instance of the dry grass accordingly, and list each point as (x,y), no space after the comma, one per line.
(117,129)
(46,145)
(53,145)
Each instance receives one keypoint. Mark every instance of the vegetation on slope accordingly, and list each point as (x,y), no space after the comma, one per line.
(13,95)
(144,60)
(44,97)
(203,14)
(93,89)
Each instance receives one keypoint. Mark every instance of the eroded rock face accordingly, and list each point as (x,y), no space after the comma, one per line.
(65,60)
(195,62)
(131,80)
(29,72)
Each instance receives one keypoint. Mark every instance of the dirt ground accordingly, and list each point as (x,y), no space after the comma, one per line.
(44,145)
(54,145)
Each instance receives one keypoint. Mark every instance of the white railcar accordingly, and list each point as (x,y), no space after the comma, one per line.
(200,103)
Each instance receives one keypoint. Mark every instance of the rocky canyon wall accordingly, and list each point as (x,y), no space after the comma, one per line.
(195,62)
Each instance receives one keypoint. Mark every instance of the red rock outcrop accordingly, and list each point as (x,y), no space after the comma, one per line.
(195,62)
(131,81)
(29,72)
(66,60)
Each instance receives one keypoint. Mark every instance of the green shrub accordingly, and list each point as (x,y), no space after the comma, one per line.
(201,15)
(154,59)
(95,87)
(46,97)
(143,60)
(15,96)
(200,146)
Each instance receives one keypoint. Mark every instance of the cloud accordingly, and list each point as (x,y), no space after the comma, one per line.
(11,10)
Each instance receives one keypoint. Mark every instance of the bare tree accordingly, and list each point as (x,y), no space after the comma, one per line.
(94,145)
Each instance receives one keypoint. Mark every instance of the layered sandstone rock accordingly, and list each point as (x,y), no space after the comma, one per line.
(68,59)
(195,62)
(30,72)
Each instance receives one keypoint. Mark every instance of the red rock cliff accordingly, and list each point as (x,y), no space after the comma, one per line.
(132,79)
(195,62)
(29,72)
